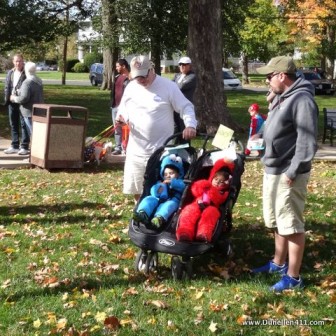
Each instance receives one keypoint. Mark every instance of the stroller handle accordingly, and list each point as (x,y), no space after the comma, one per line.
(178,135)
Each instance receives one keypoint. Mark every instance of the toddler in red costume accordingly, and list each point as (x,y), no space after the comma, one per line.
(198,219)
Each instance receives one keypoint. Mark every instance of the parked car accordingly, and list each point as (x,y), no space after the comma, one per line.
(322,86)
(42,67)
(231,81)
(96,74)
(53,67)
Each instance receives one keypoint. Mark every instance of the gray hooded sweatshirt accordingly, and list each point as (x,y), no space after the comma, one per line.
(31,92)
(291,131)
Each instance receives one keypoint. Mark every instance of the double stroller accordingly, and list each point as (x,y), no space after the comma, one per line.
(197,165)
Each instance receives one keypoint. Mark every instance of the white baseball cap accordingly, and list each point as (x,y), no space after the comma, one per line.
(140,66)
(185,60)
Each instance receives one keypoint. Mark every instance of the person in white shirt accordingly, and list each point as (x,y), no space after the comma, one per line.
(148,106)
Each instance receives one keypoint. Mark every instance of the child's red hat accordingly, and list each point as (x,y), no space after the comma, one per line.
(254,107)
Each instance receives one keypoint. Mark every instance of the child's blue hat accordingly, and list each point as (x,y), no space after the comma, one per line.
(172,161)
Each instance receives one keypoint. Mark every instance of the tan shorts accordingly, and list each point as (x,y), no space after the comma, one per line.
(283,205)
(134,171)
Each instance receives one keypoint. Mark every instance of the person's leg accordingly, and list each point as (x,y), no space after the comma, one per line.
(281,249)
(117,133)
(296,245)
(28,122)
(134,171)
(25,137)
(290,206)
(14,122)
(278,264)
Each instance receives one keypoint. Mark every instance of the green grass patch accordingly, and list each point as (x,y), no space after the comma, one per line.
(67,263)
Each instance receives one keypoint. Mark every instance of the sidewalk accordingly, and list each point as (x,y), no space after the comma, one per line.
(14,161)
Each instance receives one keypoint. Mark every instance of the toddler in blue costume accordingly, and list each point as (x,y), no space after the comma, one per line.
(165,195)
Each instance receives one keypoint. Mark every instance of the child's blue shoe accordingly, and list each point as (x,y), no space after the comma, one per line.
(271,267)
(287,282)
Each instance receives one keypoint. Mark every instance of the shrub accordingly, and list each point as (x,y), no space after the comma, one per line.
(80,67)
(91,58)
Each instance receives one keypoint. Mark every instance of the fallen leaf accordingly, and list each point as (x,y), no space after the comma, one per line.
(213,327)
(111,323)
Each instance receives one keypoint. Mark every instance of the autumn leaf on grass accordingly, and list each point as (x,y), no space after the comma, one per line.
(220,271)
(213,327)
(199,318)
(37,324)
(61,324)
(100,316)
(111,323)
(278,309)
(127,254)
(129,291)
(157,304)
(114,239)
(50,282)
(215,307)
(6,283)
(243,318)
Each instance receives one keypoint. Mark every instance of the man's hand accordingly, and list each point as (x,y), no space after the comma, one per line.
(288,180)
(189,133)
(120,121)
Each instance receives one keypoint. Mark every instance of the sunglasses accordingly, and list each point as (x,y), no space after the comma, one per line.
(183,64)
(270,76)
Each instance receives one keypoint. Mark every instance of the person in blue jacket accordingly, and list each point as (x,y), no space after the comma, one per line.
(165,195)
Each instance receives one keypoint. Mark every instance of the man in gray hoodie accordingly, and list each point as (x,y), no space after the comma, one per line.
(290,135)
(31,92)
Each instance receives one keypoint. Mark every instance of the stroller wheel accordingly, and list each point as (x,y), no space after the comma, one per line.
(176,268)
(151,262)
(181,270)
(140,261)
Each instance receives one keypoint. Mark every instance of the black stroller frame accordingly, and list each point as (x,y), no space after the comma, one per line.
(152,241)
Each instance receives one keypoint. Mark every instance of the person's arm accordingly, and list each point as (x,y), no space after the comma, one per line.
(24,95)
(305,114)
(186,110)
(189,82)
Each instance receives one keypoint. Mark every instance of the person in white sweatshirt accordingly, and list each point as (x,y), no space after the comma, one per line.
(148,106)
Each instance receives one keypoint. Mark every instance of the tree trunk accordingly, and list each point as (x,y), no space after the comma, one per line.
(65,51)
(110,42)
(245,77)
(330,60)
(205,50)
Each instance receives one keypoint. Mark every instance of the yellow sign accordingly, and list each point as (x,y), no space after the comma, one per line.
(223,137)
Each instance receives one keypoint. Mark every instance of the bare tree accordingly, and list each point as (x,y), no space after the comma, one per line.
(205,49)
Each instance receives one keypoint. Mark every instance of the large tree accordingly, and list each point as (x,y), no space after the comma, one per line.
(25,22)
(313,27)
(263,35)
(155,26)
(205,48)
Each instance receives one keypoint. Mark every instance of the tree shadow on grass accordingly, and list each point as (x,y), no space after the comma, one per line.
(253,246)
(53,214)
(80,284)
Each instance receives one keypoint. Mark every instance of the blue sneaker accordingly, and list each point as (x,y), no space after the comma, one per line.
(271,267)
(287,282)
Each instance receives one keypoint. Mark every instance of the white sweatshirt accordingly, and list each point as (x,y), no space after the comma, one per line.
(150,114)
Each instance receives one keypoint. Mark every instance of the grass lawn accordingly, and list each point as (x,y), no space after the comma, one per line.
(67,264)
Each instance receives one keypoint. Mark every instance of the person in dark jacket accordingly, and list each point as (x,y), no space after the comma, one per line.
(290,136)
(186,81)
(14,80)
(31,93)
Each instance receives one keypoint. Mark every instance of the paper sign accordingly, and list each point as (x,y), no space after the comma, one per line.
(223,137)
